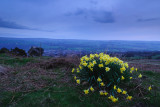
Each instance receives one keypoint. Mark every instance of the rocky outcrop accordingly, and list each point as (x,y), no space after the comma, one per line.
(35,51)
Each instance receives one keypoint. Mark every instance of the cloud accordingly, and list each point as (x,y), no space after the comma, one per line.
(12,25)
(100,16)
(148,19)
(94,2)
(103,17)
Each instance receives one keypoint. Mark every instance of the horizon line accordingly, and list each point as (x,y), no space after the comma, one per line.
(81,39)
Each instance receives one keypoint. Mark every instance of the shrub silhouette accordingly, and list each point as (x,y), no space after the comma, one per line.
(4,50)
(18,52)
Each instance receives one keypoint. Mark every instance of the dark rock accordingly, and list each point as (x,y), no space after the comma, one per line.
(35,51)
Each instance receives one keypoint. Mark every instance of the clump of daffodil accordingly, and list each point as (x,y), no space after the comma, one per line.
(105,74)
(113,99)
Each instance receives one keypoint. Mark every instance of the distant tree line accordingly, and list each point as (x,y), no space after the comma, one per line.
(33,51)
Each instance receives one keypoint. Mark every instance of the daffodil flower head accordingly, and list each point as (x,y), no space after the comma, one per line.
(110,97)
(91,88)
(119,90)
(114,100)
(73,70)
(115,87)
(102,84)
(101,92)
(100,65)
(75,77)
(105,93)
(136,69)
(86,91)
(149,88)
(122,78)
(124,92)
(99,79)
(78,81)
(130,77)
(107,69)
(122,69)
(132,69)
(140,76)
(129,98)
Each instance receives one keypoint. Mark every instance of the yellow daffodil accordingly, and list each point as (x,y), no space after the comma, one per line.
(100,65)
(78,70)
(106,63)
(129,98)
(122,78)
(102,84)
(124,92)
(101,93)
(149,88)
(131,71)
(91,88)
(80,67)
(94,62)
(73,70)
(115,87)
(126,65)
(122,69)
(140,76)
(107,69)
(96,55)
(86,91)
(119,90)
(110,97)
(105,93)
(75,77)
(86,58)
(99,79)
(84,64)
(131,78)
(78,81)
(114,100)
(136,69)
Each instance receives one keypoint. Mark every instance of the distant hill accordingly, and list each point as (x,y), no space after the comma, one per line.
(80,45)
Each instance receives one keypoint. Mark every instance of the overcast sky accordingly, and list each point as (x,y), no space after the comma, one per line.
(81,19)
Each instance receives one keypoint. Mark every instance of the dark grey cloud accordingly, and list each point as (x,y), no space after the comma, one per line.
(100,16)
(12,25)
(104,17)
(94,2)
(148,19)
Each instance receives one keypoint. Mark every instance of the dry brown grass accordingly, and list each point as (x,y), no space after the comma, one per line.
(146,64)
(34,76)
